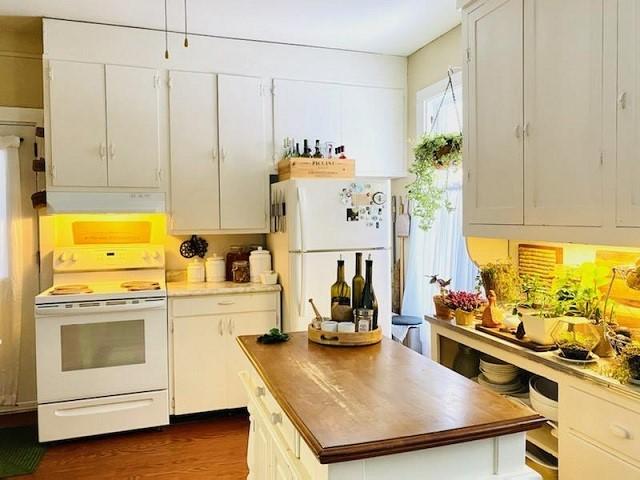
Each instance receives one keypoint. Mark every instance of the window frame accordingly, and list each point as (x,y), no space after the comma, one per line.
(424,95)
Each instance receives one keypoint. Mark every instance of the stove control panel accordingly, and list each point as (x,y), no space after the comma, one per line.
(103,258)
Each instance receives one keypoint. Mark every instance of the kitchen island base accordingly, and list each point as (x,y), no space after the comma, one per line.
(277,451)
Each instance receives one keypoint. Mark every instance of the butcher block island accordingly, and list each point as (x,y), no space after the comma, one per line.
(374,413)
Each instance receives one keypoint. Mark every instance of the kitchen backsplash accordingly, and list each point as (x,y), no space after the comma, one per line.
(218,244)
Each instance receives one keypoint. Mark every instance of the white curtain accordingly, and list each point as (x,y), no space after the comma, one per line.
(440,251)
(11,269)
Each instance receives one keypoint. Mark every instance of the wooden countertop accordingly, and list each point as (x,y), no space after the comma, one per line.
(361,402)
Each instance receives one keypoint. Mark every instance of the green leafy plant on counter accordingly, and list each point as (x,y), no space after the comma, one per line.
(533,290)
(625,366)
(577,289)
(501,277)
(273,336)
(432,153)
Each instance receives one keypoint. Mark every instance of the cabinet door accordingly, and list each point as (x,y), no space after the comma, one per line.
(244,178)
(308,110)
(279,465)
(373,130)
(199,372)
(493,164)
(132,126)
(259,468)
(77,124)
(628,165)
(193,125)
(242,324)
(563,112)
(588,461)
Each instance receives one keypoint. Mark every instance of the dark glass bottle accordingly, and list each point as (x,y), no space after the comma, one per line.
(297,154)
(306,151)
(369,300)
(340,291)
(357,284)
(317,153)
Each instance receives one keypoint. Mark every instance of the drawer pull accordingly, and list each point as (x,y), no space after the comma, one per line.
(619,431)
(276,418)
(226,303)
(260,392)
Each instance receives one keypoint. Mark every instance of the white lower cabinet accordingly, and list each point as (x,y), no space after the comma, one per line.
(206,358)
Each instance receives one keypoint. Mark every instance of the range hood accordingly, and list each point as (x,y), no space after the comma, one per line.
(105,202)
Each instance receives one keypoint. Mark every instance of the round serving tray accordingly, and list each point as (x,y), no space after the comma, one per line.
(344,339)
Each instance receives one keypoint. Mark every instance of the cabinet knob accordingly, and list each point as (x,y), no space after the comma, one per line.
(260,392)
(619,431)
(276,418)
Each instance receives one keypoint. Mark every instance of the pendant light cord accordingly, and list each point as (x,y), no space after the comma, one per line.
(186,40)
(166,32)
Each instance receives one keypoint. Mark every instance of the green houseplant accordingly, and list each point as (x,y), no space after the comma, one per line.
(626,366)
(502,278)
(433,152)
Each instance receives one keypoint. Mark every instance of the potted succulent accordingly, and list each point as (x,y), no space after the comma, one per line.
(433,152)
(438,300)
(464,305)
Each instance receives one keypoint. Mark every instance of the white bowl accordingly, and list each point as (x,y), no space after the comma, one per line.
(499,378)
(540,391)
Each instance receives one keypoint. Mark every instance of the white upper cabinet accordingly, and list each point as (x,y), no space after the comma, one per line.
(308,110)
(628,165)
(193,127)
(132,126)
(77,124)
(493,160)
(104,126)
(244,172)
(373,130)
(563,84)
(369,121)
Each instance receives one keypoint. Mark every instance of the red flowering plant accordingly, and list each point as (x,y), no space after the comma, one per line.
(467,301)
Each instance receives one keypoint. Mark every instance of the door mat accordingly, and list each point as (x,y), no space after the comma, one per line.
(20,452)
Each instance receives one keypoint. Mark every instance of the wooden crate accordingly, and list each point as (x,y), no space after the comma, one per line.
(303,167)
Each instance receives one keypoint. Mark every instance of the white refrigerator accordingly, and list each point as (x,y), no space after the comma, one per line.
(314,223)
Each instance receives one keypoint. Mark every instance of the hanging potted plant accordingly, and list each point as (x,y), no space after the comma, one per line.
(432,153)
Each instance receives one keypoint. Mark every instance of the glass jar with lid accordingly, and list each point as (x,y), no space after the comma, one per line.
(240,271)
(235,253)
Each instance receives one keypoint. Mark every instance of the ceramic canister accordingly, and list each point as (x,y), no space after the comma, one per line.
(195,271)
(215,269)
(259,262)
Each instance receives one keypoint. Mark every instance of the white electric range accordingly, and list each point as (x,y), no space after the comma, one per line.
(101,342)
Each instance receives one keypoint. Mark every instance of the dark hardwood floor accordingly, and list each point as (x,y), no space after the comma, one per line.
(204,447)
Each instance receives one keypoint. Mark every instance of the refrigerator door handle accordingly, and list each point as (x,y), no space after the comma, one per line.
(300,217)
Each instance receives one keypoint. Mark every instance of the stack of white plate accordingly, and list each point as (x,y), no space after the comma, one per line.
(500,376)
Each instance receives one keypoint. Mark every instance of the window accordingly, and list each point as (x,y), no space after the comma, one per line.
(442,250)
(4,212)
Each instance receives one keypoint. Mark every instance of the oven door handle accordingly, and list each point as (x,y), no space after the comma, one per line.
(102,307)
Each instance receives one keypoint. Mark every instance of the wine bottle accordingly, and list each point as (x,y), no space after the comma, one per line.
(340,291)
(306,151)
(317,153)
(357,284)
(369,300)
(297,150)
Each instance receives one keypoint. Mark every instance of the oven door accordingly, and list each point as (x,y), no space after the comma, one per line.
(96,349)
